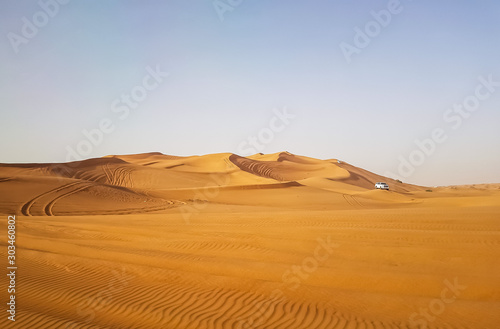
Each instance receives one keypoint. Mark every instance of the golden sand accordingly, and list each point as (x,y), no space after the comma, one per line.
(267,241)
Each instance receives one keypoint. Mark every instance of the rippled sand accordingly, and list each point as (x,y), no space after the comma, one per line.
(269,241)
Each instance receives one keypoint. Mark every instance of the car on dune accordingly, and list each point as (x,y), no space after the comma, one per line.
(381,186)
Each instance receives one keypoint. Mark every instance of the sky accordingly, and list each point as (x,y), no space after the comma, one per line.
(406,89)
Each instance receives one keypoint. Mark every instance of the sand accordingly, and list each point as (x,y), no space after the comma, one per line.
(267,241)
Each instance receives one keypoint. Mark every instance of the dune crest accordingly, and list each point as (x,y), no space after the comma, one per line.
(159,182)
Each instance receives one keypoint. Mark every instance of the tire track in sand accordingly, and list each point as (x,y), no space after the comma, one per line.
(352,201)
(26,208)
(118,176)
(50,205)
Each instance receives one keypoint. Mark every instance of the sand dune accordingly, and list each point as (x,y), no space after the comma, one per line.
(162,181)
(266,241)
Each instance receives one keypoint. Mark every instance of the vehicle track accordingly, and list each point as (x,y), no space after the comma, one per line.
(127,211)
(118,176)
(352,201)
(26,208)
(357,201)
(50,205)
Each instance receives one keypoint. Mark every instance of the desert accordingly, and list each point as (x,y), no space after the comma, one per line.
(265,241)
(232,164)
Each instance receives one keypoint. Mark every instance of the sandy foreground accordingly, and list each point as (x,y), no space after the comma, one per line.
(267,241)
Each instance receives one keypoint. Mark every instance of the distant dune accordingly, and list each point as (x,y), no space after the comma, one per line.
(153,182)
(265,241)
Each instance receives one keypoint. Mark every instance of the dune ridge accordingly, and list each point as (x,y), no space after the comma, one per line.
(165,181)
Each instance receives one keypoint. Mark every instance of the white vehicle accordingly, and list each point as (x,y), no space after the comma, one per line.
(381,186)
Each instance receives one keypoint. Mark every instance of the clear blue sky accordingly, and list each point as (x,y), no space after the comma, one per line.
(226,77)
